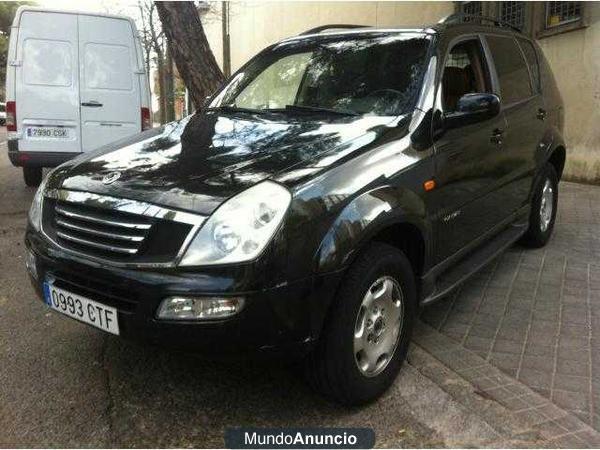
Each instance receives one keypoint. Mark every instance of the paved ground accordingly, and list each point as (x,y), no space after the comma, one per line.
(65,384)
(535,314)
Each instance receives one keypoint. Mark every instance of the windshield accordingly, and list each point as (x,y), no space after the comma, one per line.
(374,74)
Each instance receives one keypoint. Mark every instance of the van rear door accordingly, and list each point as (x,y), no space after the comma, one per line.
(109,86)
(47,83)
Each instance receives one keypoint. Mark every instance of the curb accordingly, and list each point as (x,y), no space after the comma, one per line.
(520,416)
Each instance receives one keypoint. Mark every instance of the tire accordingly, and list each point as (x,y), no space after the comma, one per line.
(32,176)
(332,369)
(541,222)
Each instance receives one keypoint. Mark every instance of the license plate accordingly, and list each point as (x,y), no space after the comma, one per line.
(81,308)
(44,133)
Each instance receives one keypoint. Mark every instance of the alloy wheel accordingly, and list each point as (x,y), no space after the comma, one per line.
(378,326)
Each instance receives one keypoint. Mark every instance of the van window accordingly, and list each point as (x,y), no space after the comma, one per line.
(465,72)
(511,68)
(47,62)
(532,61)
(107,67)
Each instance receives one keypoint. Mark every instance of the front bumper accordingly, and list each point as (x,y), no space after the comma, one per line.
(284,320)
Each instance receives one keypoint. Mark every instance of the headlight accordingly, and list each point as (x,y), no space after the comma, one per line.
(35,210)
(241,228)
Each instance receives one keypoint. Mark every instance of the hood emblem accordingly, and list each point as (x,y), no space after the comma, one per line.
(111,177)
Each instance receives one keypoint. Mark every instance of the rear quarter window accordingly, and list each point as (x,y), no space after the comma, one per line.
(512,71)
(47,62)
(532,62)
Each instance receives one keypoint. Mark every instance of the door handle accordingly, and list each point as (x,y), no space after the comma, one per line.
(92,104)
(496,137)
(541,113)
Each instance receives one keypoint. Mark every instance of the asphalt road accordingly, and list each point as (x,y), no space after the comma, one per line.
(64,384)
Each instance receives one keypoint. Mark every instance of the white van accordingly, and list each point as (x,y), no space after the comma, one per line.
(74,81)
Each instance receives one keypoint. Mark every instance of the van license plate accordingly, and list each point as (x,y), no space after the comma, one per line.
(81,308)
(47,133)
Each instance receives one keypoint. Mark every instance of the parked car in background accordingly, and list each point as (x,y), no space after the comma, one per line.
(75,81)
(337,182)
(2,113)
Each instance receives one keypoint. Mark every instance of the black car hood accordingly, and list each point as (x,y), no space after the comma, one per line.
(198,162)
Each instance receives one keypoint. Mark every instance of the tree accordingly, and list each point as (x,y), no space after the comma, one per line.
(7,14)
(153,42)
(190,49)
(169,86)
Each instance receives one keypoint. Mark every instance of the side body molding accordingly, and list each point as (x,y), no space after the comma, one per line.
(366,216)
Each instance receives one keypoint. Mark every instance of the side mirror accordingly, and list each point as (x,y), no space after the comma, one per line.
(473,108)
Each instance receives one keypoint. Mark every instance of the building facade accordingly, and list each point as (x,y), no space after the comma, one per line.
(568,33)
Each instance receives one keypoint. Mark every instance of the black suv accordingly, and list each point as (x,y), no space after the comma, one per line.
(335,183)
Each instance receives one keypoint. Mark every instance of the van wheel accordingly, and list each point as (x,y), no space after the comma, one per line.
(365,340)
(543,209)
(32,176)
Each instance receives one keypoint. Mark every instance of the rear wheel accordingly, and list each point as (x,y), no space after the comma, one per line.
(365,341)
(32,176)
(543,209)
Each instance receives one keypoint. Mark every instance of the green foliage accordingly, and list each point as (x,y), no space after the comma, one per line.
(7,14)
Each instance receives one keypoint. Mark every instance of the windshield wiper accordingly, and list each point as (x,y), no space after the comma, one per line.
(232,108)
(318,109)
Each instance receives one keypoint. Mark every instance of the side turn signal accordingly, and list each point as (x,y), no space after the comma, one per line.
(429,185)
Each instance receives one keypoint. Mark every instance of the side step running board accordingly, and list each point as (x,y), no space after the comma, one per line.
(474,261)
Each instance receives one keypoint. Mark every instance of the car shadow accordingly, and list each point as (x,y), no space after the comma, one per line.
(161,397)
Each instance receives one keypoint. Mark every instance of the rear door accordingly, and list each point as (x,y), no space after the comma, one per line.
(109,91)
(47,82)
(523,108)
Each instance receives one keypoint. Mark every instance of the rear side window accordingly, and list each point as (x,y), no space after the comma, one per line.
(511,68)
(47,63)
(532,61)
(107,67)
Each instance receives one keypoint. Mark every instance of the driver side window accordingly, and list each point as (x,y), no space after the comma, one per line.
(465,71)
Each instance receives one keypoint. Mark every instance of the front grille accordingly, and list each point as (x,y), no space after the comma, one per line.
(111,233)
(116,230)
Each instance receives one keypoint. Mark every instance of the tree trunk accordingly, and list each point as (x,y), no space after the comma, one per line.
(160,68)
(169,86)
(192,54)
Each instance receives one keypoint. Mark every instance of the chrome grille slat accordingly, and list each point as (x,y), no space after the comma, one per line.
(119,231)
(90,218)
(87,230)
(106,247)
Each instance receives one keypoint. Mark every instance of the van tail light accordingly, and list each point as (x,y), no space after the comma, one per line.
(146,122)
(11,116)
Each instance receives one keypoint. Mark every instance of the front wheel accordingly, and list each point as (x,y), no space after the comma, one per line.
(32,176)
(543,209)
(365,340)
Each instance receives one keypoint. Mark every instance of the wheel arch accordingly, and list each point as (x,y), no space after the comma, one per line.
(557,158)
(394,216)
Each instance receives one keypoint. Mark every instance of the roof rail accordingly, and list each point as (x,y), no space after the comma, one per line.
(331,27)
(458,18)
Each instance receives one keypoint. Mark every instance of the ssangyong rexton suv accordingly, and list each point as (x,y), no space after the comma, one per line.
(336,182)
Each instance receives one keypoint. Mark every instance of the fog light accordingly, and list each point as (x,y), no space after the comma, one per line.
(30,264)
(195,308)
